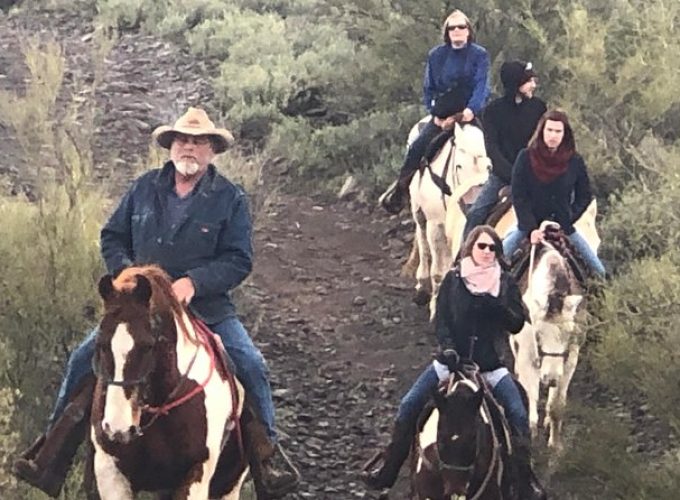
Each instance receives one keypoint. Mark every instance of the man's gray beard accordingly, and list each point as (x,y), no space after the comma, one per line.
(186,168)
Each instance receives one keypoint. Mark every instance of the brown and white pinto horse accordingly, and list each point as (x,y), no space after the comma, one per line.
(165,416)
(463,449)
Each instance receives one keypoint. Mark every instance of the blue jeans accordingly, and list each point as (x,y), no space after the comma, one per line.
(514,238)
(485,201)
(251,370)
(505,392)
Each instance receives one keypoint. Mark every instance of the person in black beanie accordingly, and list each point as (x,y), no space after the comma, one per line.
(509,123)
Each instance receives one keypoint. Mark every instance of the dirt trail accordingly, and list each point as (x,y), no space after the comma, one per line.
(343,340)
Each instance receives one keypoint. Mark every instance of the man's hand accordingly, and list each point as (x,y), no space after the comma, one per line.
(536,236)
(468,115)
(184,290)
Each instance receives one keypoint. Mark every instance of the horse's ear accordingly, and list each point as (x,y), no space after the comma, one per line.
(142,292)
(478,397)
(106,289)
(439,399)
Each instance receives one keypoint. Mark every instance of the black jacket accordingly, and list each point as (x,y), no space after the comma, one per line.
(461,315)
(563,200)
(508,126)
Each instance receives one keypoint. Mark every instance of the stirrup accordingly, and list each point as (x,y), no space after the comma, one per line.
(289,463)
(373,461)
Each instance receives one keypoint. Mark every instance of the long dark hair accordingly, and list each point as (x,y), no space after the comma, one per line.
(469,243)
(445,31)
(568,145)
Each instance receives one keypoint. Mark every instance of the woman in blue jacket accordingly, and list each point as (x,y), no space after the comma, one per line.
(455,88)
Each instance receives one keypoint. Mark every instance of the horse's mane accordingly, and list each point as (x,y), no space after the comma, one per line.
(162,296)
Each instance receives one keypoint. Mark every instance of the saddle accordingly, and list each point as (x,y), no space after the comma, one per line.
(501,207)
(503,204)
(555,236)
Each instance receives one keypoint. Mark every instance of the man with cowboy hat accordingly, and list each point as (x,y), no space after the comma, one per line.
(195,224)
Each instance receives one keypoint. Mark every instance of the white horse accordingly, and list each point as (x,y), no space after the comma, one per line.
(462,164)
(546,351)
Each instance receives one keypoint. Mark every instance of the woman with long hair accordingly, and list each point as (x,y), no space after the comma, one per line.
(550,182)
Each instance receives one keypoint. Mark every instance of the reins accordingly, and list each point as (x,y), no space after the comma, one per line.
(440,465)
(203,340)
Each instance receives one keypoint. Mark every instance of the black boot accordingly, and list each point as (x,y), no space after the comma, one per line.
(529,486)
(273,473)
(377,476)
(46,463)
(393,201)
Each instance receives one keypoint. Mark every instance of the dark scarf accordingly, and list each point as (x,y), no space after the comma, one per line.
(548,166)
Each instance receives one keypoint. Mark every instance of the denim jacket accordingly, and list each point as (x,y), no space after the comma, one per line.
(211,243)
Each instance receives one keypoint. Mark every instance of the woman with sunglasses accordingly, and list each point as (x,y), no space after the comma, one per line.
(478,303)
(455,88)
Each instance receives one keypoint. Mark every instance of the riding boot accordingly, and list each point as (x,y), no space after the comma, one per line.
(394,201)
(529,486)
(384,476)
(46,463)
(268,462)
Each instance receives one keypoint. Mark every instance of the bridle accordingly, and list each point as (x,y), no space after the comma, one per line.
(108,379)
(564,355)
(437,463)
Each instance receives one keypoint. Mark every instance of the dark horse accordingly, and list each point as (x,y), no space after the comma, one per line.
(463,447)
(166,412)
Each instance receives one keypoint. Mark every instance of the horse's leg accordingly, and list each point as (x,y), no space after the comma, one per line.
(111,483)
(528,371)
(408,270)
(197,490)
(557,399)
(235,493)
(441,260)
(422,294)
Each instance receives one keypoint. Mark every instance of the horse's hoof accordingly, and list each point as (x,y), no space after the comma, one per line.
(421,297)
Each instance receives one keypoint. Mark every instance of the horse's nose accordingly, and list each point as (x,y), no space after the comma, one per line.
(135,431)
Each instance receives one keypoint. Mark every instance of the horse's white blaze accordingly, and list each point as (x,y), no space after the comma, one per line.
(218,401)
(118,412)
(111,483)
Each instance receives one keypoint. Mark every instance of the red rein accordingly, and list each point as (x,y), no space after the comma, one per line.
(204,333)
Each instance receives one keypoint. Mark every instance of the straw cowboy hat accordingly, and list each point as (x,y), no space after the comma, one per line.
(194,122)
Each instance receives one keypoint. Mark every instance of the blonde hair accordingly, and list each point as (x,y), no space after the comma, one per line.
(454,13)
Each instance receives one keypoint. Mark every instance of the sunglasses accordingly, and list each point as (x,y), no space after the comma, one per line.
(484,246)
(457,27)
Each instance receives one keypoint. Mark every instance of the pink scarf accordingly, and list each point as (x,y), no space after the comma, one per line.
(480,279)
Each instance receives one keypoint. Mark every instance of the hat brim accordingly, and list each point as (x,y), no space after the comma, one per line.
(221,137)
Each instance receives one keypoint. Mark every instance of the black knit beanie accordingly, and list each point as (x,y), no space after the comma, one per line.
(514,74)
